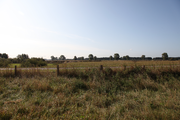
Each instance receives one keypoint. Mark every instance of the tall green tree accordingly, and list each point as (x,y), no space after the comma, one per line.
(82,58)
(4,62)
(75,58)
(62,57)
(127,57)
(116,56)
(4,55)
(23,56)
(165,56)
(90,56)
(95,58)
(52,57)
(110,57)
(143,57)
(124,58)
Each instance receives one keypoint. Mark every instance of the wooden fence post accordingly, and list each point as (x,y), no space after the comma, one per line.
(143,67)
(101,67)
(15,70)
(57,70)
(124,67)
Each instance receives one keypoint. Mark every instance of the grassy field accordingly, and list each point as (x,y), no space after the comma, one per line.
(13,65)
(114,63)
(91,94)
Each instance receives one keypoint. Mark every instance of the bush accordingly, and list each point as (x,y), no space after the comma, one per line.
(4,115)
(34,62)
(4,62)
(78,84)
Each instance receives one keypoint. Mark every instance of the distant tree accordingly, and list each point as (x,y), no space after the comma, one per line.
(82,58)
(13,60)
(116,56)
(124,58)
(90,56)
(4,55)
(34,62)
(127,57)
(95,57)
(62,57)
(23,56)
(165,56)
(110,57)
(52,57)
(4,62)
(75,58)
(143,57)
(0,55)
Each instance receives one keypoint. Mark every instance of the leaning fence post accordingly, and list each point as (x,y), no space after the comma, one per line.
(15,70)
(57,70)
(101,67)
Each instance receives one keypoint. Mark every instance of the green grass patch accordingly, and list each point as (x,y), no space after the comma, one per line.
(15,64)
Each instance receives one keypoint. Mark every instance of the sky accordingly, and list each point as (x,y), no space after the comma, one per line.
(42,28)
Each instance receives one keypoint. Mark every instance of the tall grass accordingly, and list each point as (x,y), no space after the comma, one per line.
(118,63)
(113,63)
(133,93)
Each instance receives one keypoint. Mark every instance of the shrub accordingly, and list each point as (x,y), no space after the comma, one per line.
(4,115)
(108,71)
(4,62)
(78,84)
(34,62)
(23,111)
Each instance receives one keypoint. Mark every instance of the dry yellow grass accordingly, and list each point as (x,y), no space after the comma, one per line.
(134,93)
(119,63)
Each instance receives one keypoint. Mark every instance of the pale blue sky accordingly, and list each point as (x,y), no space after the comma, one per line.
(41,28)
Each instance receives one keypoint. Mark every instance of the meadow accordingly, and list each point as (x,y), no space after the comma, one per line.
(106,63)
(136,92)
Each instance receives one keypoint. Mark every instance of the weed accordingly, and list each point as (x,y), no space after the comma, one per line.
(23,111)
(4,115)
(78,84)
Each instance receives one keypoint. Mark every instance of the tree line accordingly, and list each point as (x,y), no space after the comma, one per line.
(25,61)
(23,57)
(4,55)
(117,57)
